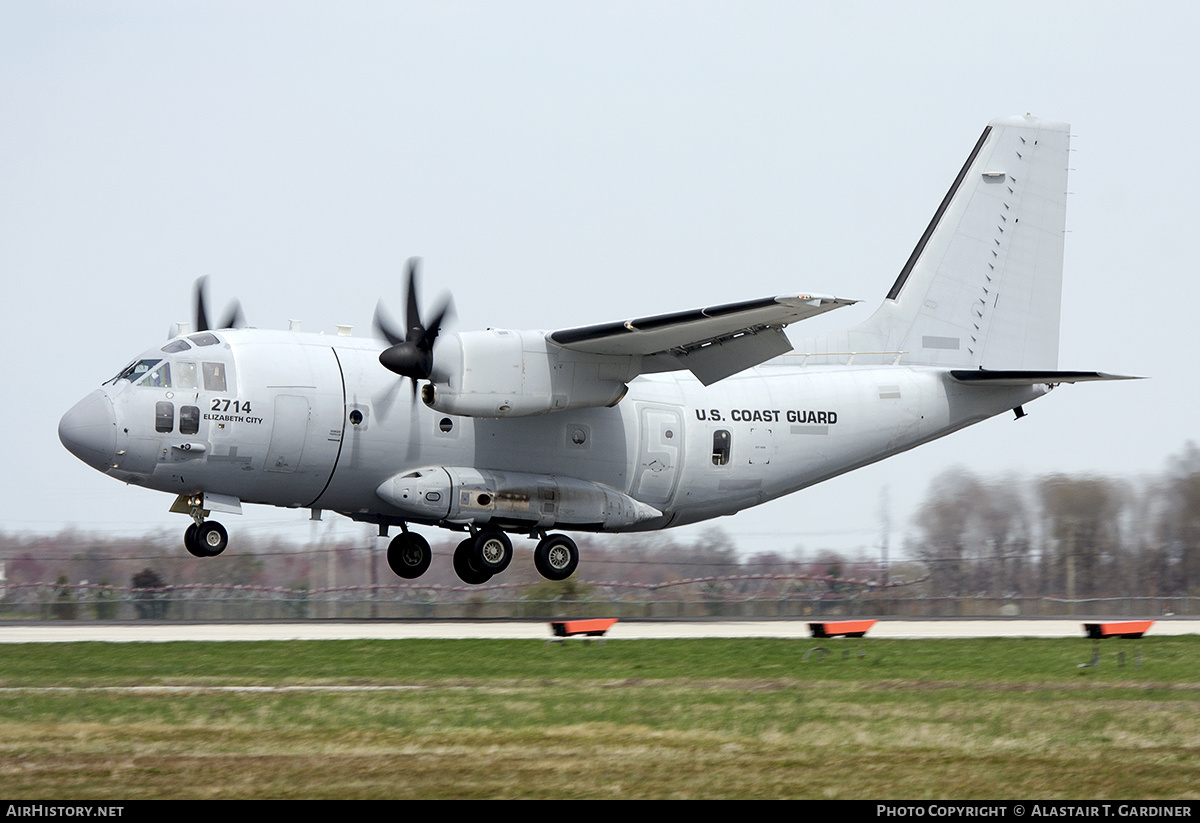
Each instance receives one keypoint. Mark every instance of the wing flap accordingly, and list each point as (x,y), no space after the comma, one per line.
(716,361)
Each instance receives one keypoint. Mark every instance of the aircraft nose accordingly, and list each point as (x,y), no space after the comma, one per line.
(89,430)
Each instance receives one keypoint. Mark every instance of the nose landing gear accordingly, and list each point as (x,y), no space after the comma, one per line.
(205,539)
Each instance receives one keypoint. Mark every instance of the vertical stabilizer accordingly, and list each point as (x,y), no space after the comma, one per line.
(983,286)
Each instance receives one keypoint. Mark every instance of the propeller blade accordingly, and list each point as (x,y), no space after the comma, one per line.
(447,310)
(411,355)
(201,314)
(413,316)
(385,326)
(233,318)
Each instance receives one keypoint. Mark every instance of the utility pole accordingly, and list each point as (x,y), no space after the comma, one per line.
(885,521)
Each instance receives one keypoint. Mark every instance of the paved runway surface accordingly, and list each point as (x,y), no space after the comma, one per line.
(63,632)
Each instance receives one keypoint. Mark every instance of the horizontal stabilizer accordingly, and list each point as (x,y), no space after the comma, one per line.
(985,377)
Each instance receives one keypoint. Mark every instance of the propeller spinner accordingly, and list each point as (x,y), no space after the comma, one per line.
(411,355)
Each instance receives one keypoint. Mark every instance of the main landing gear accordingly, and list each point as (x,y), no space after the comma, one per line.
(409,555)
(478,558)
(485,554)
(556,557)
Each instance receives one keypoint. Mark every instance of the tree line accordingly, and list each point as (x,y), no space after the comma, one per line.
(1068,535)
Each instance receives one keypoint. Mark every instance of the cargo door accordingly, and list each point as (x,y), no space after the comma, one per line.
(660,451)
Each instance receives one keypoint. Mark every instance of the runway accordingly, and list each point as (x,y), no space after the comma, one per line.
(146,632)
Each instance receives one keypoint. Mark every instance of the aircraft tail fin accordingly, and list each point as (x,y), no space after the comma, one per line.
(982,288)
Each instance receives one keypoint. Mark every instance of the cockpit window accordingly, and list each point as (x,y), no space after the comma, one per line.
(134,371)
(159,378)
(214,376)
(176,346)
(185,375)
(205,339)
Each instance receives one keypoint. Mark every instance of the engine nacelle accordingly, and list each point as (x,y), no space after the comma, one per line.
(499,373)
(464,495)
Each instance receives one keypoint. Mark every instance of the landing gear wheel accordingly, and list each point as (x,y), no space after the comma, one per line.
(492,552)
(464,564)
(189,542)
(409,555)
(556,557)
(211,538)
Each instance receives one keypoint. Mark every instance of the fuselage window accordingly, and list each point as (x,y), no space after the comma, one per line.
(720,449)
(185,375)
(189,419)
(214,377)
(164,416)
(160,378)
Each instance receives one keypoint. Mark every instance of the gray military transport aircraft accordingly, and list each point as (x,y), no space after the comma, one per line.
(634,425)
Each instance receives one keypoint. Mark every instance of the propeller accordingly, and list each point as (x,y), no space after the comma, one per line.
(233,317)
(411,353)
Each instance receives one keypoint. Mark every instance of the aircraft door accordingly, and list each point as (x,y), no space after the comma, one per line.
(660,451)
(288,433)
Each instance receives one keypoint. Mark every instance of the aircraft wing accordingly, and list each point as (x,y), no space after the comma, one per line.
(712,342)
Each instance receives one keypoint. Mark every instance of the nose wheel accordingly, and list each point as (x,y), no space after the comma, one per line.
(207,539)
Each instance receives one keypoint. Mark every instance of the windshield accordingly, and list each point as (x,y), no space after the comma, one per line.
(135,370)
(149,372)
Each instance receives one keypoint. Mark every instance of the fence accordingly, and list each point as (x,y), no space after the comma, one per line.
(43,601)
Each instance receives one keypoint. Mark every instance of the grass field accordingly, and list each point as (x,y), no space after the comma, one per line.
(922,719)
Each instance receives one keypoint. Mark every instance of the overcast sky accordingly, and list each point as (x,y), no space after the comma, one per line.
(567,163)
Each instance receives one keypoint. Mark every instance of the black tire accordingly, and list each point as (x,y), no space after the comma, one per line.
(464,567)
(189,542)
(409,555)
(492,552)
(556,557)
(211,538)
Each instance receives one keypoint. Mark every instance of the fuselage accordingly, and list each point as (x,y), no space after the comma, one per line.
(313,421)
